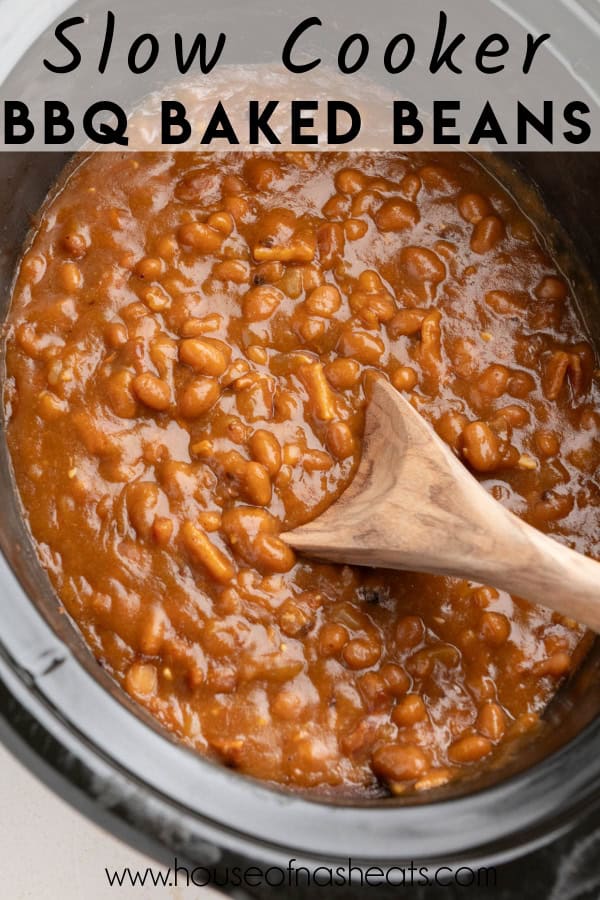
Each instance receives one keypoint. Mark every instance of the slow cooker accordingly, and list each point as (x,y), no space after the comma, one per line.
(64,717)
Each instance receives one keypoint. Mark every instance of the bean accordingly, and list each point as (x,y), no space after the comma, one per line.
(439,179)
(312,330)
(552,506)
(547,442)
(324,301)
(204,355)
(349,181)
(151,391)
(411,185)
(365,202)
(493,382)
(343,374)
(257,354)
(395,679)
(373,689)
(241,526)
(504,303)
(316,461)
(292,283)
(156,299)
(198,185)
(555,374)
(293,620)
(422,265)
(556,666)
(469,749)
(513,415)
(120,395)
(491,721)
(163,352)
(115,335)
(234,372)
(70,277)
(33,267)
(340,440)
(330,241)
(488,232)
(74,244)
(272,555)
(370,281)
(332,639)
(237,207)
(197,397)
(221,221)
(353,616)
(552,288)
(336,207)
(282,238)
(167,247)
(200,237)
(373,307)
(210,520)
(51,407)
(409,710)
(450,427)
(196,326)
(474,207)
(260,173)
(485,595)
(430,349)
(361,653)
(261,302)
(422,663)
(288,705)
(399,762)
(480,447)
(257,484)
(149,268)
(410,631)
(397,215)
(520,385)
(292,454)
(233,184)
(362,346)
(235,270)
(407,322)
(142,500)
(404,378)
(495,628)
(355,229)
(265,449)
(312,277)
(445,249)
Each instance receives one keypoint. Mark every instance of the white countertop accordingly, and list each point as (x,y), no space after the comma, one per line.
(50,851)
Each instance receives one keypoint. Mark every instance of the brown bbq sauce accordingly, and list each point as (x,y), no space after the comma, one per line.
(190,344)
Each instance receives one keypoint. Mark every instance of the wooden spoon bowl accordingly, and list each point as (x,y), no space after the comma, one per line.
(413,505)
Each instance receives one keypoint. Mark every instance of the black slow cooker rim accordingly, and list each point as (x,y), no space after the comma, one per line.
(165,798)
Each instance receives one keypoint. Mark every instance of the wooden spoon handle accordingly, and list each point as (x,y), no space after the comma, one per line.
(532,565)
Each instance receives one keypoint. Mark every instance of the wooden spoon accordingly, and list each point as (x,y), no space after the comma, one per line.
(412,505)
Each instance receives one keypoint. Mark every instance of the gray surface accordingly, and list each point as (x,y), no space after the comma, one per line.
(50,852)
